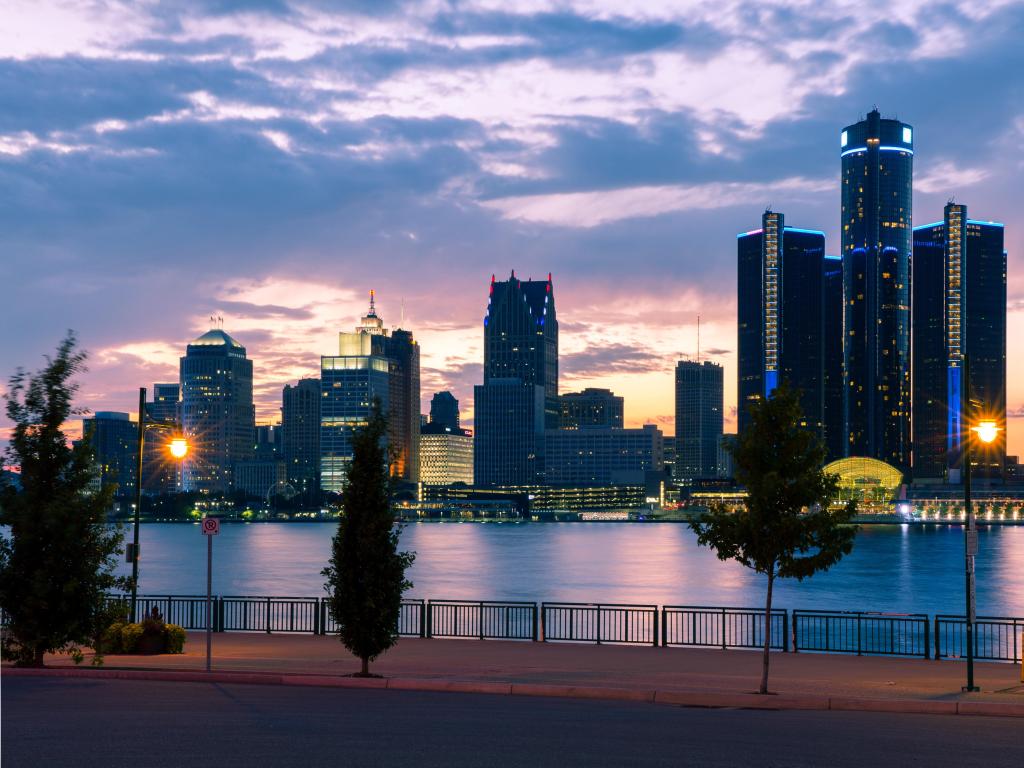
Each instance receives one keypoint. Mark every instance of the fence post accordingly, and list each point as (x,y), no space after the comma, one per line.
(533,621)
(316,617)
(480,620)
(430,619)
(927,640)
(268,615)
(796,649)
(657,639)
(937,650)
(599,624)
(664,627)
(423,619)
(785,631)
(723,629)
(860,618)
(220,614)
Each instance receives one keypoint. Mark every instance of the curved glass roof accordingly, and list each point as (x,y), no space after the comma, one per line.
(861,477)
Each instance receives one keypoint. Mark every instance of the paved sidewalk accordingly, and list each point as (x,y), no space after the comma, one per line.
(626,668)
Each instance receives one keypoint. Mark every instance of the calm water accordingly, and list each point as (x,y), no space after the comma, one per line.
(892,567)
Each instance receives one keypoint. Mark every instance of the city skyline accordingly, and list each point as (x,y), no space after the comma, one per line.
(632,199)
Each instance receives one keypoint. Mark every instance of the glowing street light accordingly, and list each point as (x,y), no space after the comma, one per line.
(987,431)
(178,447)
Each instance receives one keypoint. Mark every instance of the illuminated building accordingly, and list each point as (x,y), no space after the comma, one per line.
(113,438)
(699,418)
(865,479)
(300,433)
(832,399)
(161,473)
(602,456)
(877,158)
(590,408)
(446,454)
(370,366)
(444,410)
(518,399)
(959,309)
(217,415)
(780,317)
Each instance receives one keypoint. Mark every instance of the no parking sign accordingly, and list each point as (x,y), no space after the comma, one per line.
(211,526)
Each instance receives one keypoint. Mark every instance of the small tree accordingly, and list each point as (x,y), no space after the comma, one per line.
(58,562)
(366,574)
(787,527)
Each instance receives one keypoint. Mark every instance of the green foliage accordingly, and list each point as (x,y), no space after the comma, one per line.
(787,527)
(366,573)
(59,558)
(130,636)
(110,641)
(175,639)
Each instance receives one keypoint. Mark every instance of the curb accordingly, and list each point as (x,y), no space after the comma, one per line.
(703,699)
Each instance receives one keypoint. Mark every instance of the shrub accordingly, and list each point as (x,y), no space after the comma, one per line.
(175,639)
(111,640)
(130,636)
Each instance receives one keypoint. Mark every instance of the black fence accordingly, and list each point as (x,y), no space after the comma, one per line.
(996,638)
(860,632)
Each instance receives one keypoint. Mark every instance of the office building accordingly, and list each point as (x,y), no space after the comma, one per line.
(268,443)
(371,366)
(780,318)
(161,472)
(959,310)
(444,410)
(832,313)
(518,399)
(300,433)
(877,158)
(590,408)
(602,455)
(217,414)
(446,454)
(113,438)
(261,477)
(699,420)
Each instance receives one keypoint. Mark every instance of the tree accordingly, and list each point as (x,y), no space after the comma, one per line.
(787,527)
(58,562)
(366,574)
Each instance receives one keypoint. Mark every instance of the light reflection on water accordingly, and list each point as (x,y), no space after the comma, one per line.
(892,567)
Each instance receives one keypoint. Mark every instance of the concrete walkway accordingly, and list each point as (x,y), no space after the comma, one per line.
(674,675)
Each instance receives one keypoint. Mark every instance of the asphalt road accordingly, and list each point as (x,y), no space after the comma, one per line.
(73,722)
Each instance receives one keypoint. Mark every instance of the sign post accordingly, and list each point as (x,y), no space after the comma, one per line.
(210,527)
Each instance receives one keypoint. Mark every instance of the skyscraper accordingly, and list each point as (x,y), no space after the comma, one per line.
(161,473)
(780,316)
(217,414)
(959,309)
(877,159)
(591,408)
(113,438)
(519,396)
(446,454)
(444,410)
(370,366)
(832,310)
(699,418)
(300,433)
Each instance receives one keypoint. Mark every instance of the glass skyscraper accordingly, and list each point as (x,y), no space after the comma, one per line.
(519,397)
(959,309)
(699,420)
(300,433)
(877,157)
(780,316)
(835,437)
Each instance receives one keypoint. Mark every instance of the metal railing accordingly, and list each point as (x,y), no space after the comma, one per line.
(996,638)
(862,633)
(710,627)
(484,620)
(600,623)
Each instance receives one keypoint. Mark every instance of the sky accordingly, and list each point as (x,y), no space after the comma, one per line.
(272,161)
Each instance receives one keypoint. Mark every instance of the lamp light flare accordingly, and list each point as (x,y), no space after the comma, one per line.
(987,431)
(178,447)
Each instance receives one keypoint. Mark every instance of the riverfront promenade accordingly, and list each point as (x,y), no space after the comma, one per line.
(706,677)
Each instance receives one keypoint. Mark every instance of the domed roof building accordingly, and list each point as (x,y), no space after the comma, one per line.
(865,479)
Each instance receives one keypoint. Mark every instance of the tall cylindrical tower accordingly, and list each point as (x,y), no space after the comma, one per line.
(877,164)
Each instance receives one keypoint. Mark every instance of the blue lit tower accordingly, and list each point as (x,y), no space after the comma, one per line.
(877,166)
(780,316)
(959,309)
(519,396)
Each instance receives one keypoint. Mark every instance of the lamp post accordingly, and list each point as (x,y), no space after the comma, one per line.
(178,447)
(987,431)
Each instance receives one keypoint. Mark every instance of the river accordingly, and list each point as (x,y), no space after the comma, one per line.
(905,568)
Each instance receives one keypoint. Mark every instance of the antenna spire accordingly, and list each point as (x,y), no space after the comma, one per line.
(373,309)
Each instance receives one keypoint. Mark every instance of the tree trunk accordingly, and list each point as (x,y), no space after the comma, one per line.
(366,667)
(767,631)
(37,657)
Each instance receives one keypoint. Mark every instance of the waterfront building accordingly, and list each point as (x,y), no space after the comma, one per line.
(668,452)
(832,313)
(446,454)
(217,414)
(959,309)
(300,433)
(591,408)
(877,157)
(113,437)
(444,410)
(261,476)
(602,455)
(371,366)
(780,317)
(699,420)
(518,399)
(161,473)
(268,442)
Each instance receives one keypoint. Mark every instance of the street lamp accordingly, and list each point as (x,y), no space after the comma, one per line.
(987,431)
(178,447)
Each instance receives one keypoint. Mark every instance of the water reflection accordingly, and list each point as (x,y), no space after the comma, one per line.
(892,568)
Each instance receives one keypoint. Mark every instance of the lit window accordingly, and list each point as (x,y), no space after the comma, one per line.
(907,135)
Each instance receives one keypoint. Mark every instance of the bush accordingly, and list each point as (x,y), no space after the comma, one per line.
(111,641)
(130,636)
(175,639)
(146,637)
